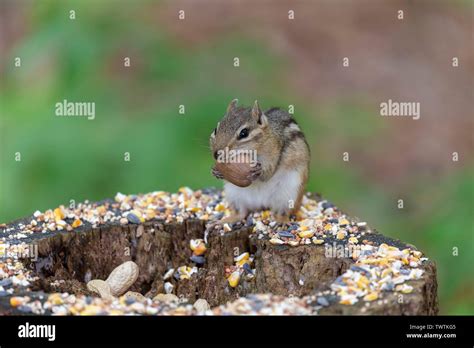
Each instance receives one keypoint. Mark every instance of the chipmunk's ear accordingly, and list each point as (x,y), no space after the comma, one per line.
(232,105)
(259,115)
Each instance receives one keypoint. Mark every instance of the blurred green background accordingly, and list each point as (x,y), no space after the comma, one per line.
(282,62)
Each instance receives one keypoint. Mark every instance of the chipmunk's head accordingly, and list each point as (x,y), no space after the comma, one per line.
(241,128)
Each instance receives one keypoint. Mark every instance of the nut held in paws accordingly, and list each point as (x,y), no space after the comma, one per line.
(236,173)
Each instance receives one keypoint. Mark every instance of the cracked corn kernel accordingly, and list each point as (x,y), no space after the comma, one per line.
(185,272)
(341,234)
(343,222)
(15,301)
(58,214)
(76,223)
(194,243)
(364,280)
(201,249)
(197,246)
(91,310)
(318,241)
(371,297)
(234,279)
(220,207)
(242,258)
(306,234)
(348,300)
(56,299)
(150,214)
(276,241)
(327,227)
(404,288)
(353,240)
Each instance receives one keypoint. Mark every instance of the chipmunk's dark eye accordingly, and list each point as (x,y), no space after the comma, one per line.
(244,133)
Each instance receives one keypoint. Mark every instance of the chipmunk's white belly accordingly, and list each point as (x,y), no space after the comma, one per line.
(278,194)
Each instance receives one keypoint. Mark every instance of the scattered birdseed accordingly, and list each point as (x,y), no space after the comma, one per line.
(242,266)
(377,269)
(266,304)
(185,272)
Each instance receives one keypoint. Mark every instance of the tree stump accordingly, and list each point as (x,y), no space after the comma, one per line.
(303,279)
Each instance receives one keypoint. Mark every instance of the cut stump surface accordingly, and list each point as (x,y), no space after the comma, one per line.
(325,262)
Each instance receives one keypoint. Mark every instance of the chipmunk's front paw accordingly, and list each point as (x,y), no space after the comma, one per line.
(217,173)
(233,218)
(255,172)
(282,218)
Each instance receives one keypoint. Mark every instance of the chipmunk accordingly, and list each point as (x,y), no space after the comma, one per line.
(279,177)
